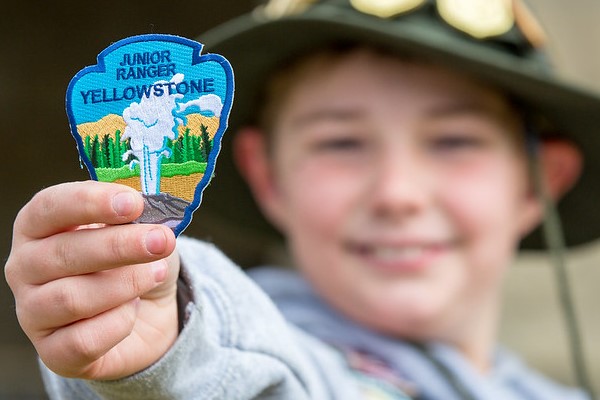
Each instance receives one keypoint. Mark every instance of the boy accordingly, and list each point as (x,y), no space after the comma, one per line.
(391,152)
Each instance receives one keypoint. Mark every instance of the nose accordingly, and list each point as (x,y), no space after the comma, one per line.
(400,184)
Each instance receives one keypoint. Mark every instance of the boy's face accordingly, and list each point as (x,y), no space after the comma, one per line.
(402,191)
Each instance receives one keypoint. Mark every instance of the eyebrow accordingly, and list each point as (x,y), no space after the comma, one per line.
(326,115)
(505,116)
(444,109)
(459,108)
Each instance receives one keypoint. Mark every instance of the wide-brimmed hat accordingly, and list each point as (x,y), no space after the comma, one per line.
(497,41)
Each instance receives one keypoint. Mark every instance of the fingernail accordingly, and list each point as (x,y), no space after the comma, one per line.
(159,269)
(123,203)
(156,241)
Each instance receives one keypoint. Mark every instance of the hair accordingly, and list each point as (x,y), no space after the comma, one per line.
(294,70)
(281,83)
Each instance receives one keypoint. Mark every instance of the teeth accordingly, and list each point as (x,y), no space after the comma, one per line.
(398,253)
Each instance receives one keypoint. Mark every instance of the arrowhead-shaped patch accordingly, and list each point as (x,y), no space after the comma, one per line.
(151,114)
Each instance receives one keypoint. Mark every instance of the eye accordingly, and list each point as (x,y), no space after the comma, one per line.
(456,141)
(339,144)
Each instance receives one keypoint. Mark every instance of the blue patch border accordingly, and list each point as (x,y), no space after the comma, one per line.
(197,57)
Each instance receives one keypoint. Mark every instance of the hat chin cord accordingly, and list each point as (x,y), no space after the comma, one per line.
(555,243)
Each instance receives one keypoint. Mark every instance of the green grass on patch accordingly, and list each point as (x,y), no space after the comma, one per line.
(112,174)
(186,168)
(166,171)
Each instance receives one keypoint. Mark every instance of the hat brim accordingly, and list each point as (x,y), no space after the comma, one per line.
(255,47)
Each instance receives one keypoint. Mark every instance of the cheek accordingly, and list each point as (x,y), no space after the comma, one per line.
(320,202)
(485,206)
(486,196)
(318,198)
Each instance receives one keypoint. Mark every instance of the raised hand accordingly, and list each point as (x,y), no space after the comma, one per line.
(95,295)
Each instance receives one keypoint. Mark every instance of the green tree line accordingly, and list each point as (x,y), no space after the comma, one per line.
(107,152)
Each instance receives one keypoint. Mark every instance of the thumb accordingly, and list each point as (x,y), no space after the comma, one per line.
(165,271)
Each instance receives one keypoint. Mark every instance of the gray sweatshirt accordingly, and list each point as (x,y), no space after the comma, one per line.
(271,337)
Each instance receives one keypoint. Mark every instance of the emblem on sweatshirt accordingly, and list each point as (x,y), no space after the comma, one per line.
(151,114)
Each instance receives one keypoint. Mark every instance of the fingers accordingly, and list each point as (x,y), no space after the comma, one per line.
(64,301)
(65,206)
(76,268)
(78,347)
(87,251)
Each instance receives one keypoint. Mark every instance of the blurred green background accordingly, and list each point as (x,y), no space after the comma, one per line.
(43,44)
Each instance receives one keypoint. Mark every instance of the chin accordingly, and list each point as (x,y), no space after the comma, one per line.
(415,318)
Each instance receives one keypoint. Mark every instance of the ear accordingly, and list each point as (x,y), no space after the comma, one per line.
(561,166)
(254,164)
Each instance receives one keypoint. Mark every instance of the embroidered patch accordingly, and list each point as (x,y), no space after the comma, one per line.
(151,114)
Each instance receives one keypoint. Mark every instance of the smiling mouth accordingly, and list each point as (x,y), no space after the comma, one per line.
(398,258)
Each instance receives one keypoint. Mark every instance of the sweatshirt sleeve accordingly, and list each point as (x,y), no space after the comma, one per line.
(234,345)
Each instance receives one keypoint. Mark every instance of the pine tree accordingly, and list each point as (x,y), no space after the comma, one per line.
(87,147)
(111,153)
(206,143)
(195,144)
(178,150)
(189,145)
(106,151)
(96,154)
(118,152)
